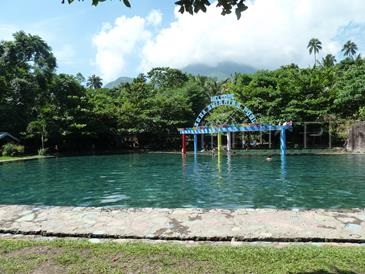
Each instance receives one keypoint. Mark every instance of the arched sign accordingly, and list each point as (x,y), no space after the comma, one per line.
(224,100)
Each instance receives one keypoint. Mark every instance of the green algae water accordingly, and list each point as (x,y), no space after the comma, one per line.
(170,181)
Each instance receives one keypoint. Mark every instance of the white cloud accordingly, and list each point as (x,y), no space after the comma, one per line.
(269,34)
(154,18)
(115,42)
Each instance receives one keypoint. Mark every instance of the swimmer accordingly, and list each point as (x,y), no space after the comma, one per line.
(269,158)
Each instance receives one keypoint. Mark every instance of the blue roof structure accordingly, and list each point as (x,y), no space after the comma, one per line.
(228,100)
(233,128)
(4,135)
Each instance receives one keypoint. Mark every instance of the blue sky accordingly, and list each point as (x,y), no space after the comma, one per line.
(69,29)
(111,40)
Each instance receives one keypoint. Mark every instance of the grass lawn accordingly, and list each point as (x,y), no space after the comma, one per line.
(7,158)
(14,158)
(62,256)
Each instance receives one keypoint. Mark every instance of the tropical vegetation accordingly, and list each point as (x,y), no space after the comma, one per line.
(314,46)
(56,111)
(193,6)
(349,49)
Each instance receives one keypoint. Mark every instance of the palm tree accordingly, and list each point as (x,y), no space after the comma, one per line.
(329,60)
(349,49)
(94,82)
(314,46)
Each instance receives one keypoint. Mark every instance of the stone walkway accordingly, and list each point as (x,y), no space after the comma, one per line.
(186,224)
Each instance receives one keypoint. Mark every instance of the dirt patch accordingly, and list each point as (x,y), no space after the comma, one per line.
(49,268)
(156,263)
(35,250)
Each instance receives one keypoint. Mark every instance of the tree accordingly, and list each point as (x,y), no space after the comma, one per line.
(94,82)
(350,92)
(194,6)
(79,77)
(314,46)
(67,110)
(28,52)
(27,65)
(50,109)
(349,49)
(329,60)
(165,77)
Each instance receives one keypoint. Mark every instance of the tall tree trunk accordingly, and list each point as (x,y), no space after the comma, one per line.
(42,141)
(315,59)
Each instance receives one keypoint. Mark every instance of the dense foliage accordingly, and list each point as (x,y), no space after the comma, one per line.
(193,6)
(50,110)
(10,149)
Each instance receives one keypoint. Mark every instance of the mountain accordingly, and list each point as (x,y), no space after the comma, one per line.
(117,82)
(221,71)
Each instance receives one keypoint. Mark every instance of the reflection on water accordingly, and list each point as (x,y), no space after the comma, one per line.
(183,164)
(283,166)
(219,162)
(166,180)
(229,165)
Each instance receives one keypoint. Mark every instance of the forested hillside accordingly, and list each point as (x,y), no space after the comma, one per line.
(37,103)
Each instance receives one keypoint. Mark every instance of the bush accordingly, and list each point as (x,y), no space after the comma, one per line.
(362,113)
(12,150)
(42,151)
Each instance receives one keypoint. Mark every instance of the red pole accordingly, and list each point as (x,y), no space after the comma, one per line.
(183,139)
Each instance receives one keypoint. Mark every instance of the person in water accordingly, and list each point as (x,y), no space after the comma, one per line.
(269,158)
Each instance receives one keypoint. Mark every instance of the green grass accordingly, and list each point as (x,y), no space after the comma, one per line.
(7,158)
(61,256)
(13,158)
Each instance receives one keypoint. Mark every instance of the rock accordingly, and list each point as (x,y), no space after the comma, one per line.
(356,139)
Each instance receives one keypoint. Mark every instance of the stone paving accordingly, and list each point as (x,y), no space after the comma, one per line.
(186,224)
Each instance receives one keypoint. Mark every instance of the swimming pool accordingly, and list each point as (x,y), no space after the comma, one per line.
(168,180)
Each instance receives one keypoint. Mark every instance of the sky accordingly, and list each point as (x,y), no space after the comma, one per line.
(111,40)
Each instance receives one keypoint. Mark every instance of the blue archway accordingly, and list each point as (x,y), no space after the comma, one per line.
(228,100)
(224,100)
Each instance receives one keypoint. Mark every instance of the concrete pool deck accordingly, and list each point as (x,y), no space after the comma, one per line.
(319,225)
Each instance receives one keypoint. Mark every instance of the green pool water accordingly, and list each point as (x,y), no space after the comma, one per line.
(168,180)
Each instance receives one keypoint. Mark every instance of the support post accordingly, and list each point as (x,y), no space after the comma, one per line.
(202,141)
(229,142)
(195,145)
(283,141)
(219,141)
(183,146)
(260,138)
